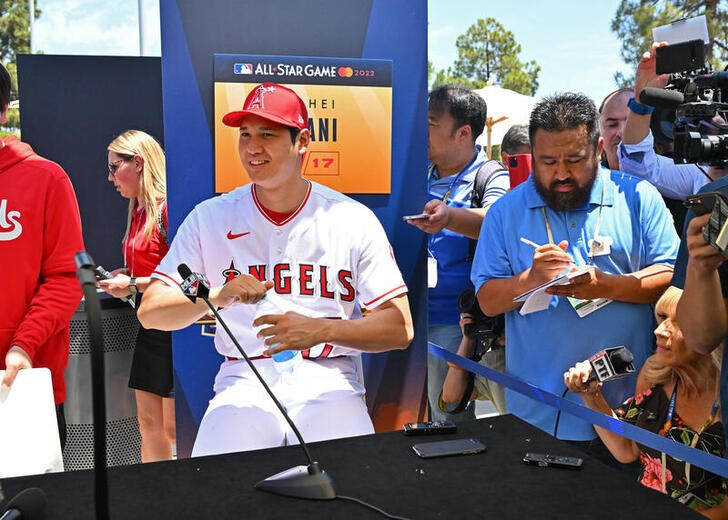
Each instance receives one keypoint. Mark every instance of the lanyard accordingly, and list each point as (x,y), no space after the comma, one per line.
(668,424)
(133,239)
(594,243)
(446,197)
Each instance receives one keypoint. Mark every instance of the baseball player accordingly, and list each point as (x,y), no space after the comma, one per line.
(310,244)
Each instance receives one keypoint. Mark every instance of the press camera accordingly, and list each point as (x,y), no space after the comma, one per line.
(697,95)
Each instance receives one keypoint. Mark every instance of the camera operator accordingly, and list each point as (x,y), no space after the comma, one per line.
(484,342)
(636,151)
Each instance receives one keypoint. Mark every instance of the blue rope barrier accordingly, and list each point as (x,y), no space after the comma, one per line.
(675,449)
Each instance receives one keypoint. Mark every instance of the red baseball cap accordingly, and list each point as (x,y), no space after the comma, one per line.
(272,102)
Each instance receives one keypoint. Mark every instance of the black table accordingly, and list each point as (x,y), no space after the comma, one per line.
(380,469)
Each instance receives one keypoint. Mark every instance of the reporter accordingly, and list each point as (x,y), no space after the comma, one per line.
(137,169)
(676,396)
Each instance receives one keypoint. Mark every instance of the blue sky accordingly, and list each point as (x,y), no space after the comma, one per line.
(570,39)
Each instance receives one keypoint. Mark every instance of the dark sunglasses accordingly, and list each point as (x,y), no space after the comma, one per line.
(112,167)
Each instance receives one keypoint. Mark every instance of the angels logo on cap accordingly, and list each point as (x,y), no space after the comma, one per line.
(272,102)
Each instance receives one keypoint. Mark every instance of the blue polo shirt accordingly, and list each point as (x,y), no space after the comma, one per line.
(452,250)
(543,345)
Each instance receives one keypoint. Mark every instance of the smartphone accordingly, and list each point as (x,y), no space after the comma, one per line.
(416,217)
(429,450)
(429,428)
(556,461)
(519,168)
(101,273)
(702,203)
(716,230)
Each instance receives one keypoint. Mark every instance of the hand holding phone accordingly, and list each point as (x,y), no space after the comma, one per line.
(416,217)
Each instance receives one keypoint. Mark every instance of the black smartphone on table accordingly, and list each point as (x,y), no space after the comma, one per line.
(429,428)
(429,450)
(546,460)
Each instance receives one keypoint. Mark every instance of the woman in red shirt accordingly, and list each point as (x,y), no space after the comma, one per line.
(137,169)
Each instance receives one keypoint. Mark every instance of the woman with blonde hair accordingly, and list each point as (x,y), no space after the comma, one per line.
(677,396)
(137,168)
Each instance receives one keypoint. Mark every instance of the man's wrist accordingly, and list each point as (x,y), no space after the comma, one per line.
(638,108)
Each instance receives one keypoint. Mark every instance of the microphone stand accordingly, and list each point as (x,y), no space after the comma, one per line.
(86,276)
(310,481)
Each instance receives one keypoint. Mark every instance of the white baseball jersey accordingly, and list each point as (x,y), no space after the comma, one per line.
(330,256)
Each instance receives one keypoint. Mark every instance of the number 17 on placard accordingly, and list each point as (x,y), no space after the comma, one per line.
(322,163)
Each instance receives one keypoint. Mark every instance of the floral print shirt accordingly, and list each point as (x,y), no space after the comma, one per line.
(684,482)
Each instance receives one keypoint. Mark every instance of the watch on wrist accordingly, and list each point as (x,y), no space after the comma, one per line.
(133,286)
(639,108)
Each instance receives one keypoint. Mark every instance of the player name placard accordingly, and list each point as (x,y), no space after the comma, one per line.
(349,105)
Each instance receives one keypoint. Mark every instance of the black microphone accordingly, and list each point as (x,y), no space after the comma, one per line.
(300,481)
(29,504)
(661,98)
(610,364)
(193,285)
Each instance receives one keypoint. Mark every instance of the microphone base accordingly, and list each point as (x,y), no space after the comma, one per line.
(309,482)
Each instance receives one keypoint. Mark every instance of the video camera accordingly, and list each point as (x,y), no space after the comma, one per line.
(697,95)
(485,330)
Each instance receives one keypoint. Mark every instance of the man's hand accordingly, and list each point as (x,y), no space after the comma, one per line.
(290,331)
(118,286)
(705,258)
(586,286)
(646,75)
(438,220)
(241,289)
(549,261)
(16,359)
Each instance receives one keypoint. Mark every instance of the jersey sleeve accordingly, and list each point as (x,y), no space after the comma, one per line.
(378,277)
(185,248)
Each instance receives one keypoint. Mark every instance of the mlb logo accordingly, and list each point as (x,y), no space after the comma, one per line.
(243,68)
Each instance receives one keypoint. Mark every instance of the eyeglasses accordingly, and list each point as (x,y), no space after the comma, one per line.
(114,166)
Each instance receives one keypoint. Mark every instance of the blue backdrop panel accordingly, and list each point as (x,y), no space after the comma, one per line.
(192,33)
(73,106)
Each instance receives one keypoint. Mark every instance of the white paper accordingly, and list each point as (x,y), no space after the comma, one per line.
(29,441)
(537,299)
(682,31)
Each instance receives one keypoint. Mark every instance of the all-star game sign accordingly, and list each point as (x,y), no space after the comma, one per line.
(349,104)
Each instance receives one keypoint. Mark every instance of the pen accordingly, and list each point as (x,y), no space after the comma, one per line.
(529,242)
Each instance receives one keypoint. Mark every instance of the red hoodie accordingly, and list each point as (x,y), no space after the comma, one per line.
(40,231)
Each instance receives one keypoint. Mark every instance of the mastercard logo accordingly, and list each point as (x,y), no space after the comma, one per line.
(345,72)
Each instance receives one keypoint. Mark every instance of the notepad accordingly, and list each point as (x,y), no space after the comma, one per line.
(29,440)
(537,299)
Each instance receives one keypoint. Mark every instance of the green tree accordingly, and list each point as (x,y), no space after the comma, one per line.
(488,54)
(634,20)
(14,40)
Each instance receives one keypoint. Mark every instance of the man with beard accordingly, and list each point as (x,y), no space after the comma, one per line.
(580,214)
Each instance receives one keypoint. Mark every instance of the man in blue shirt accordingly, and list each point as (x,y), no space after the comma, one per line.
(578,213)
(456,116)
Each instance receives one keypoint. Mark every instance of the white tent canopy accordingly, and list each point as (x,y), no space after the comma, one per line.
(505,109)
